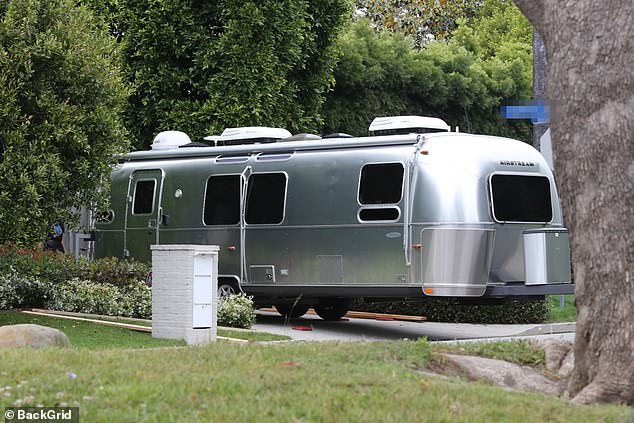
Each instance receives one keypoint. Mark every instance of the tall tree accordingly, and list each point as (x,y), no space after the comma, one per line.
(203,66)
(60,114)
(463,80)
(591,86)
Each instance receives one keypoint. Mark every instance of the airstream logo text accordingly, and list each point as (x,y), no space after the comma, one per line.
(516,163)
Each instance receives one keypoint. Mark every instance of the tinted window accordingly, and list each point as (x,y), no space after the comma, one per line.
(222,200)
(381,183)
(265,198)
(520,198)
(144,197)
(387,213)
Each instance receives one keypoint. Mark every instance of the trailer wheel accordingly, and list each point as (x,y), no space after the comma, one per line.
(333,309)
(292,312)
(227,288)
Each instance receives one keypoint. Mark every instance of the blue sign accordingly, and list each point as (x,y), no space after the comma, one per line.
(538,111)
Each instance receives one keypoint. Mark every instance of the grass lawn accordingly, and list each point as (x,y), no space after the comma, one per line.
(94,336)
(90,335)
(566,314)
(296,382)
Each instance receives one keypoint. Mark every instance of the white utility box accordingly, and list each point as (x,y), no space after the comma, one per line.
(184,292)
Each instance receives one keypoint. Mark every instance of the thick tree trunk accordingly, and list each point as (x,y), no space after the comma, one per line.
(591,89)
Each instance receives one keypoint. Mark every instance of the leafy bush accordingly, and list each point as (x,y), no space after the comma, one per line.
(451,310)
(17,291)
(75,295)
(34,278)
(100,298)
(236,311)
(57,268)
(8,291)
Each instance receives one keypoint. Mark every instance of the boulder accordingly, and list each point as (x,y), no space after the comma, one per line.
(504,374)
(34,336)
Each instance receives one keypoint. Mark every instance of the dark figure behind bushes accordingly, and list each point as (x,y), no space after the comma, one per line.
(54,239)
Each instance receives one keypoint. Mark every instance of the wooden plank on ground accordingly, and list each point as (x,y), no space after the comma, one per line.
(368,315)
(91,316)
(138,328)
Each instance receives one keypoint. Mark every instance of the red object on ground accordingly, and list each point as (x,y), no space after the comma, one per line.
(302,328)
(384,318)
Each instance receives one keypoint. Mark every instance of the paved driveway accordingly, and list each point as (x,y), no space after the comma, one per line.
(374,330)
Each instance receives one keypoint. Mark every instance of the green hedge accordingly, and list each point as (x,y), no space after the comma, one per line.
(55,267)
(451,310)
(134,300)
(38,279)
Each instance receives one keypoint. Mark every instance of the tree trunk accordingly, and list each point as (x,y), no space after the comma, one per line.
(590,55)
(540,84)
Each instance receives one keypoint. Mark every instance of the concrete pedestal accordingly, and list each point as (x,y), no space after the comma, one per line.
(184,292)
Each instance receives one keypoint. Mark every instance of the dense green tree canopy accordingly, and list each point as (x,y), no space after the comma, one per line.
(464,80)
(200,67)
(61,104)
(421,21)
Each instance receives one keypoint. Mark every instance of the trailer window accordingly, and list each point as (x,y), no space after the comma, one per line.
(381,183)
(521,198)
(143,197)
(222,200)
(383,213)
(266,195)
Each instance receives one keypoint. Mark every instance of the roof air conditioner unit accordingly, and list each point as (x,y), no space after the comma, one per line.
(394,125)
(169,140)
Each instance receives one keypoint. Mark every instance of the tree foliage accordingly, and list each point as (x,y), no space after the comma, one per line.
(421,21)
(463,80)
(60,113)
(200,67)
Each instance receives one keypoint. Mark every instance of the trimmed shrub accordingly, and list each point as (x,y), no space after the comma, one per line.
(34,278)
(17,291)
(451,310)
(236,311)
(56,268)
(9,297)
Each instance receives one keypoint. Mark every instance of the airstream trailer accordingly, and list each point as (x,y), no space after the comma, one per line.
(411,211)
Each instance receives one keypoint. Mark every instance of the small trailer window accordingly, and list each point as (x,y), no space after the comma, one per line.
(222,200)
(381,183)
(144,197)
(521,198)
(382,214)
(266,196)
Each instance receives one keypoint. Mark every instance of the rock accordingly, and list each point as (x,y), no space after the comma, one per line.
(505,374)
(556,352)
(567,364)
(34,336)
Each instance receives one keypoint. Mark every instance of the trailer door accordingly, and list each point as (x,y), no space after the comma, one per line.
(143,213)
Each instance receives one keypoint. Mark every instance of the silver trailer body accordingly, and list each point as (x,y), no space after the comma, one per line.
(398,216)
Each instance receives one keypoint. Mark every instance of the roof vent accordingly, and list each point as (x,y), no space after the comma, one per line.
(302,137)
(337,135)
(168,140)
(251,135)
(397,125)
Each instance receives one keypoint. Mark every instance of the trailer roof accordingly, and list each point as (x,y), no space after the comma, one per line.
(330,144)
(290,146)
